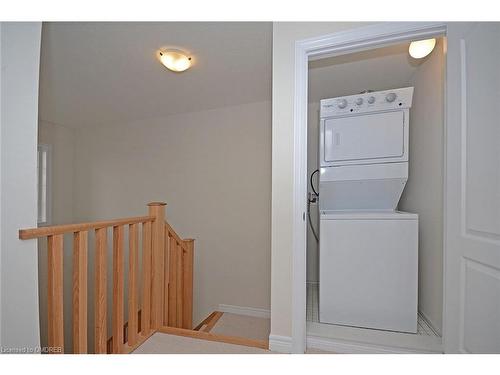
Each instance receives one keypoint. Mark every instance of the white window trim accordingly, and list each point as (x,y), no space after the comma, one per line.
(48,199)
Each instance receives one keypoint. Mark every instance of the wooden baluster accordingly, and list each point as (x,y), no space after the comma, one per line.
(157,209)
(55,293)
(80,292)
(146,279)
(100,311)
(179,293)
(132,284)
(187,296)
(118,281)
(172,287)
(167,281)
(166,276)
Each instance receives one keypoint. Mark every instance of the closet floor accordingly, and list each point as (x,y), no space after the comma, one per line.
(426,338)
(424,328)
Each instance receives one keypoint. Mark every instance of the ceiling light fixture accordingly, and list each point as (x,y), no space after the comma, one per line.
(174,60)
(421,48)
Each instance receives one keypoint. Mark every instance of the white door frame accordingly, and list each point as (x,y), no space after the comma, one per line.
(354,40)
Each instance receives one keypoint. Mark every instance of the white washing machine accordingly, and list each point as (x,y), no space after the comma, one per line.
(368,250)
(368,269)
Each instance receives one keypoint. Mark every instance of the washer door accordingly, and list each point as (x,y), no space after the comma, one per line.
(364,137)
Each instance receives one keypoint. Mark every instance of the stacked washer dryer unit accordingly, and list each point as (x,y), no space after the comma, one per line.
(368,250)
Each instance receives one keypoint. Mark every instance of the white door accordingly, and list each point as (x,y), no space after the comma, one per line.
(364,137)
(472,258)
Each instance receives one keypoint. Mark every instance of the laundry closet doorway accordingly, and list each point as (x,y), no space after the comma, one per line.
(461,318)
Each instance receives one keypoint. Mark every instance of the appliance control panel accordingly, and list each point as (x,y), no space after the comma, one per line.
(367,102)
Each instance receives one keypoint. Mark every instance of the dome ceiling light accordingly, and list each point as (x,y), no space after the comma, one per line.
(174,60)
(421,48)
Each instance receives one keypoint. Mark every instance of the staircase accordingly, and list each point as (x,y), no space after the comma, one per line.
(160,293)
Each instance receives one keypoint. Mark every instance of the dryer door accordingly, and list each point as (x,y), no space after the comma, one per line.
(374,138)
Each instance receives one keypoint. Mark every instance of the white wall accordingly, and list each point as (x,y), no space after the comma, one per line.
(20,56)
(423,193)
(213,168)
(1,148)
(284,37)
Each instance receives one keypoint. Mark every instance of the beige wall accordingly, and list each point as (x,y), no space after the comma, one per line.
(213,168)
(62,144)
(285,34)
(312,164)
(423,193)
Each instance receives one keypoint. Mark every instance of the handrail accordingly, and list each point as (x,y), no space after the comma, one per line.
(175,235)
(27,234)
(164,297)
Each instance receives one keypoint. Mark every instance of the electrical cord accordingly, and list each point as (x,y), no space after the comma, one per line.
(311,182)
(310,222)
(309,201)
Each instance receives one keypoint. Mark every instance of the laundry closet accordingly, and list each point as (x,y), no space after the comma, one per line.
(375,201)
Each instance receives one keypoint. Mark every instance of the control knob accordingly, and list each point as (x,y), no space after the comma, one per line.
(342,103)
(390,97)
(371,100)
(359,101)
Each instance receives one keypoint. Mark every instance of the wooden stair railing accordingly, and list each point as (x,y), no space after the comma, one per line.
(167,281)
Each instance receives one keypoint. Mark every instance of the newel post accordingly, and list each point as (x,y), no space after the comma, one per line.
(157,209)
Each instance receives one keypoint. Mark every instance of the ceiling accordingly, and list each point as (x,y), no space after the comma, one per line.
(378,69)
(97,73)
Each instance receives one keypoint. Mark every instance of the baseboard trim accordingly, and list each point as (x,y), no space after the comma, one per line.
(430,323)
(280,344)
(243,310)
(262,344)
(353,347)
